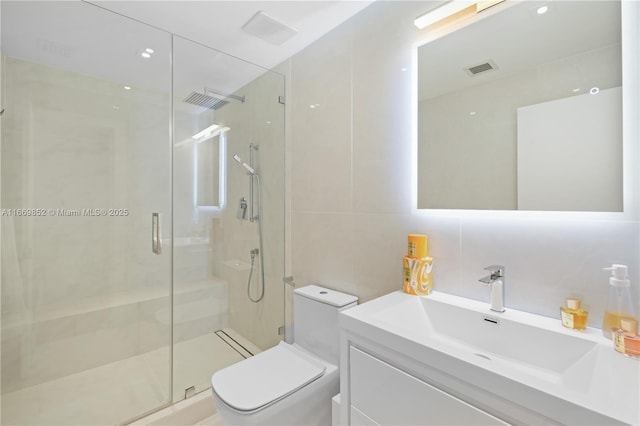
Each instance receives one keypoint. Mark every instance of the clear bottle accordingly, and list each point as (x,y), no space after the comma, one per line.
(619,304)
(573,316)
(626,339)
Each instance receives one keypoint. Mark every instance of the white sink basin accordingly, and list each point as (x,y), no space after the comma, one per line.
(515,337)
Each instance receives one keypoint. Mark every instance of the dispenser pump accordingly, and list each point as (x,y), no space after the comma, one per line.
(619,304)
(619,275)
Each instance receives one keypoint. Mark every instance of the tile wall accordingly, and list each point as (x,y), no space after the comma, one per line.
(350,156)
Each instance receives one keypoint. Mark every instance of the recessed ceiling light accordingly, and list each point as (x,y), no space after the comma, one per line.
(145,55)
(148,50)
(594,90)
(542,10)
(127,87)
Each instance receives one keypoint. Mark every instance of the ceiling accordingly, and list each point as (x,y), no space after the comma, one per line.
(79,37)
(218,24)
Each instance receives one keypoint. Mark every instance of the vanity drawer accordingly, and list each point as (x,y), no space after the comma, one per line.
(389,396)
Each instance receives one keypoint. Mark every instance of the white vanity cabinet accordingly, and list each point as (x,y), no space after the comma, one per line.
(396,368)
(382,394)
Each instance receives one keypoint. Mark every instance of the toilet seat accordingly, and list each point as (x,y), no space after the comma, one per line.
(266,378)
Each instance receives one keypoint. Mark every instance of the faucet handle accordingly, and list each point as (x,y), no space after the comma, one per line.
(497,271)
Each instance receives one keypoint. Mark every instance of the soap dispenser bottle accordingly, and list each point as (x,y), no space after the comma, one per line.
(619,305)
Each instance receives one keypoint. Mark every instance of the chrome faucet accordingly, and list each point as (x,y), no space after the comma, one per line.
(496,282)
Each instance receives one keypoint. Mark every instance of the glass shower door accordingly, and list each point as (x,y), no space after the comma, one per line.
(224,106)
(85,175)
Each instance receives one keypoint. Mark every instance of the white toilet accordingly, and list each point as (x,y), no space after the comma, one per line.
(289,384)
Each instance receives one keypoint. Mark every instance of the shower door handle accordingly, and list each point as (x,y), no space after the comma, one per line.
(156,238)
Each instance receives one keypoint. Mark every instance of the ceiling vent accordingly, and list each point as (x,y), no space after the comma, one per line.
(268,29)
(481,68)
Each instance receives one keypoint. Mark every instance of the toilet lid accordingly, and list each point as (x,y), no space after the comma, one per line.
(265,378)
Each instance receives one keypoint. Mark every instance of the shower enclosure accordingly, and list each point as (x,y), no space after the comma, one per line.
(124,262)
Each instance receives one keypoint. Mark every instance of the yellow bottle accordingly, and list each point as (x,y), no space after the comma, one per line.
(573,316)
(417,245)
(417,266)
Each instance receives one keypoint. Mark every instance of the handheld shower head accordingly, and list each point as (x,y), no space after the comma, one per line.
(245,165)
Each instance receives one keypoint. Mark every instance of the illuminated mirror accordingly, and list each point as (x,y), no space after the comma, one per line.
(522,110)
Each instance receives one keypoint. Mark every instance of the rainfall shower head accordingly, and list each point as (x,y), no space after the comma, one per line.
(245,165)
(205,101)
(212,99)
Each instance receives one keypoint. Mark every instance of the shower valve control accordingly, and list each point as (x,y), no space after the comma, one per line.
(242,209)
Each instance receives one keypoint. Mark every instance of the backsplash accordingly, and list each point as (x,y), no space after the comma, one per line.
(349,160)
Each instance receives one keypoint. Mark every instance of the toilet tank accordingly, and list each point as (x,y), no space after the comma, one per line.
(315,320)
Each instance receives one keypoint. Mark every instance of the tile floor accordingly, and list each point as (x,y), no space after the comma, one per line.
(100,396)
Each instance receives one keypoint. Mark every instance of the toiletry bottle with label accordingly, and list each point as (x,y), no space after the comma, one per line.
(573,316)
(417,266)
(619,304)
(626,339)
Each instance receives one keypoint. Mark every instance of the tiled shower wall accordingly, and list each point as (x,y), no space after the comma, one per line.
(350,155)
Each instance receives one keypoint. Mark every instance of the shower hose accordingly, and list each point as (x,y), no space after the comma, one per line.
(260,251)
